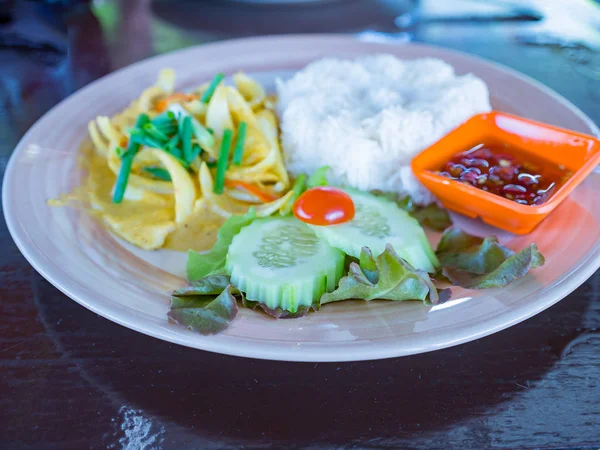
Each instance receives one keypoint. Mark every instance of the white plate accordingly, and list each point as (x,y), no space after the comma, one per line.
(131,287)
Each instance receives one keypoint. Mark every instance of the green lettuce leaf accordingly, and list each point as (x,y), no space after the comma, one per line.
(510,270)
(460,250)
(204,314)
(368,265)
(213,284)
(481,263)
(432,216)
(278,313)
(394,279)
(318,178)
(200,265)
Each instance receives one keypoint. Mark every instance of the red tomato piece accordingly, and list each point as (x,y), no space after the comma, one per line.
(324,205)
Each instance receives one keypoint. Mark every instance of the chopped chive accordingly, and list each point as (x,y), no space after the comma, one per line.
(182,162)
(140,138)
(165,122)
(173,142)
(167,128)
(196,151)
(211,164)
(298,188)
(211,88)
(222,162)
(204,138)
(180,118)
(126,161)
(166,116)
(119,151)
(158,172)
(154,132)
(238,152)
(172,148)
(186,138)
(177,153)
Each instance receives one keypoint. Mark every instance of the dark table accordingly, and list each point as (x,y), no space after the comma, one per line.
(70,379)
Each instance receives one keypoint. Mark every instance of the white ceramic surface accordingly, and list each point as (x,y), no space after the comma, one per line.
(131,287)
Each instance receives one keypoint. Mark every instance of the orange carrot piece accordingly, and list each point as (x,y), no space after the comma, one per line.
(164,102)
(254,190)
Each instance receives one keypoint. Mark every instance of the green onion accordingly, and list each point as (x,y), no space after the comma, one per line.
(173,142)
(155,133)
(182,162)
(238,152)
(173,148)
(119,151)
(196,151)
(211,88)
(126,161)
(211,164)
(298,188)
(141,138)
(204,138)
(165,122)
(146,141)
(158,172)
(164,117)
(168,128)
(150,138)
(186,138)
(222,162)
(177,153)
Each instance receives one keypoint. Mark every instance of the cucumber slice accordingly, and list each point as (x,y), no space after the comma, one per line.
(378,222)
(281,263)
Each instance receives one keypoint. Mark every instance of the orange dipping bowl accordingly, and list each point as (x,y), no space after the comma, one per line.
(576,153)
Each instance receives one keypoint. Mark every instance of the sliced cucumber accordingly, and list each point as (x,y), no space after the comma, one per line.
(378,222)
(281,263)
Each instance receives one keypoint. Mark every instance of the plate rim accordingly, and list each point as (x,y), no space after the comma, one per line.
(484,327)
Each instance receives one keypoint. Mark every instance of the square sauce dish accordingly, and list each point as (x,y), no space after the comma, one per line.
(509,171)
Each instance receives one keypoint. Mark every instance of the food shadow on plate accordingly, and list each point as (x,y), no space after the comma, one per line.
(228,399)
(555,237)
(399,318)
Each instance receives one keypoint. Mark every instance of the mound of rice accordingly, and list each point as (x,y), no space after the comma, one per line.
(367,118)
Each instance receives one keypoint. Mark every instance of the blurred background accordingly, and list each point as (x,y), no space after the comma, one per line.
(75,41)
(50,48)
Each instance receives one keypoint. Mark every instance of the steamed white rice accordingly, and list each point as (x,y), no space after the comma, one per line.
(369,117)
